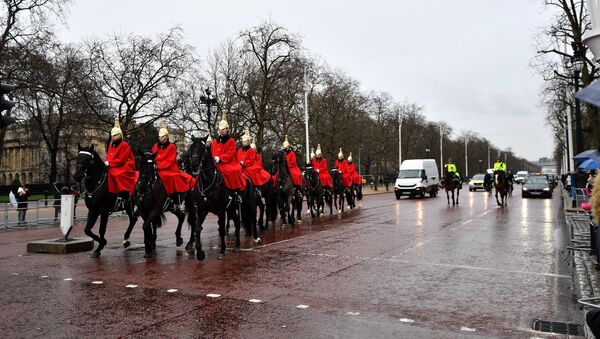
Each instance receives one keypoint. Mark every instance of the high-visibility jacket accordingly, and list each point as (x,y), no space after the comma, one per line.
(499,166)
(450,168)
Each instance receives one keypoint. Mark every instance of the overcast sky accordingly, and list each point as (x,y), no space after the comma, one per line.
(466,61)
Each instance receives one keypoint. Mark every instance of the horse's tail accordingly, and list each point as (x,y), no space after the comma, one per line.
(271,200)
(248,208)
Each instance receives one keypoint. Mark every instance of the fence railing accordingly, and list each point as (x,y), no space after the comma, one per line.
(34,213)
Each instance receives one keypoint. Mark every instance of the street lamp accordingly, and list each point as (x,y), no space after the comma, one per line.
(480,163)
(577,64)
(209,106)
(427,150)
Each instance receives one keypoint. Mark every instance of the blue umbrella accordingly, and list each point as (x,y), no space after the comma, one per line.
(590,164)
(585,155)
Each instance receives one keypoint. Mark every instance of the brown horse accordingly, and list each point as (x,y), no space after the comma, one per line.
(502,187)
(450,186)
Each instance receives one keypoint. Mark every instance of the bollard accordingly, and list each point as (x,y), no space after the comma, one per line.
(66,214)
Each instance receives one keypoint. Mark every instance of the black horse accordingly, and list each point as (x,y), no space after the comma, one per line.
(338,189)
(99,201)
(211,195)
(451,185)
(315,193)
(266,201)
(152,201)
(287,197)
(502,188)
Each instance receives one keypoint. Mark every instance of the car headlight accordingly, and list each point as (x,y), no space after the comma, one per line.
(546,189)
(525,189)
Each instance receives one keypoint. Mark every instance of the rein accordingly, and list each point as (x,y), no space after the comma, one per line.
(99,183)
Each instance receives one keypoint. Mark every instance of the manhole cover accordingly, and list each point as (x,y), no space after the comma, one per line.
(557,327)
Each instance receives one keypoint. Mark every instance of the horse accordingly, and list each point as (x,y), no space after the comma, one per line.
(502,187)
(450,186)
(91,171)
(211,195)
(152,201)
(338,189)
(314,192)
(285,189)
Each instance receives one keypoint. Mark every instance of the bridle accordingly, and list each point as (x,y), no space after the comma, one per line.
(149,184)
(83,169)
(204,191)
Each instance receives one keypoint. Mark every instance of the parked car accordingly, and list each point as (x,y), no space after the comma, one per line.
(476,182)
(417,177)
(537,186)
(521,176)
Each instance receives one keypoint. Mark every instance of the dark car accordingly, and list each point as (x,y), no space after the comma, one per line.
(537,186)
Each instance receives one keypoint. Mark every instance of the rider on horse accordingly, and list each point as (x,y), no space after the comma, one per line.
(224,153)
(251,162)
(120,163)
(342,166)
(174,181)
(451,169)
(499,167)
(356,179)
(320,165)
(292,164)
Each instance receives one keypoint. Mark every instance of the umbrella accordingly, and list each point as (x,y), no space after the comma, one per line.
(590,164)
(590,94)
(589,154)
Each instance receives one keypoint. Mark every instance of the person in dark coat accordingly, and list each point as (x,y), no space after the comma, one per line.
(22,202)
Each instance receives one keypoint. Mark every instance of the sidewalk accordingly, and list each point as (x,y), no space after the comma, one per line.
(585,274)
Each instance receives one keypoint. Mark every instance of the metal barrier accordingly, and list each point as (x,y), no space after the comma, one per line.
(40,212)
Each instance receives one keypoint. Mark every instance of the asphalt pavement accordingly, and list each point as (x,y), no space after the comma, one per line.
(409,268)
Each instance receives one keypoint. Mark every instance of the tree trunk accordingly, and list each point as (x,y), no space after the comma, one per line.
(53,165)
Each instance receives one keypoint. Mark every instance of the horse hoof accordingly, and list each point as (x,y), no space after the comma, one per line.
(200,255)
(189,246)
(95,254)
(126,243)
(221,256)
(236,249)
(257,241)
(179,242)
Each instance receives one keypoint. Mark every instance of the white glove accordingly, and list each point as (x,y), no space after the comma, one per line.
(106,163)
(217,159)
(318,170)
(242,163)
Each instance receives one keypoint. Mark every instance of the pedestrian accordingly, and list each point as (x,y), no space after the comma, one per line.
(22,202)
(75,192)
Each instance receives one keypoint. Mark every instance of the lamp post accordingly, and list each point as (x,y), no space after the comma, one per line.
(427,151)
(480,163)
(577,63)
(209,106)
(399,139)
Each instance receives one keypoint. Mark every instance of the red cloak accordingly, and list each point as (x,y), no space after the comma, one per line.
(356,179)
(252,166)
(122,175)
(320,165)
(228,164)
(290,158)
(342,166)
(171,176)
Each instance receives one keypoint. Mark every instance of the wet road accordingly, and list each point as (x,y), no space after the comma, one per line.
(408,268)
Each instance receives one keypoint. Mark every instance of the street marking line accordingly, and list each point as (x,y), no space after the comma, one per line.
(44,276)
(97,282)
(255,301)
(68,279)
(467,329)
(131,286)
(302,306)
(406,320)
(213,295)
(171,290)
(352,313)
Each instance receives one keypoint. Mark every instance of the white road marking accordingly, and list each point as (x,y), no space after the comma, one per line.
(213,295)
(172,290)
(352,313)
(406,320)
(68,279)
(97,282)
(131,286)
(255,300)
(467,329)
(302,306)
(15,273)
(44,276)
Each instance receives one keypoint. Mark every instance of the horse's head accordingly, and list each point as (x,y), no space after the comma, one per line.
(198,154)
(311,176)
(85,158)
(147,167)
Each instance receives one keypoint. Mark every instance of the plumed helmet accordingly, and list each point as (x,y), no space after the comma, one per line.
(253,144)
(341,154)
(223,123)
(286,143)
(318,152)
(246,136)
(312,152)
(117,129)
(163,129)
(350,157)
(208,140)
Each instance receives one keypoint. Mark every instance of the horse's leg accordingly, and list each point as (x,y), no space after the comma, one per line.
(129,207)
(102,230)
(457,195)
(91,220)
(180,220)
(453,201)
(298,201)
(191,219)
(147,227)
(222,234)
(200,255)
(497,201)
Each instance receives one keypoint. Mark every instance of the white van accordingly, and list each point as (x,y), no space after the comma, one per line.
(520,177)
(417,177)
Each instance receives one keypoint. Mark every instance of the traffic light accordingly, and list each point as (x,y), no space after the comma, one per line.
(6,104)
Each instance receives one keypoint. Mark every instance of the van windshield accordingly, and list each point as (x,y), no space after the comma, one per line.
(412,173)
